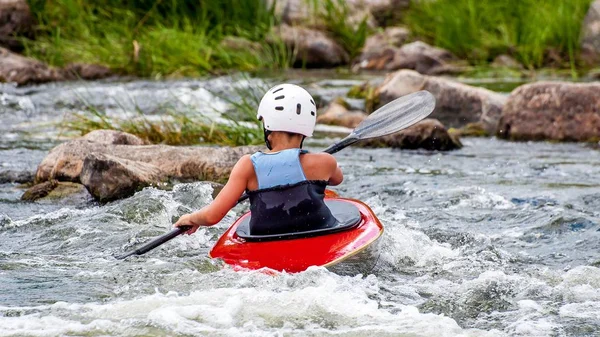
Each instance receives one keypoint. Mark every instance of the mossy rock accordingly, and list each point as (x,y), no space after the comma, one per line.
(367,92)
(470,130)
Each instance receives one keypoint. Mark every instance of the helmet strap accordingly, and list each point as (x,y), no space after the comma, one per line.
(302,142)
(267,142)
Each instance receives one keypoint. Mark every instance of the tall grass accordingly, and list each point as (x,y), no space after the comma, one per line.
(156,37)
(351,37)
(536,32)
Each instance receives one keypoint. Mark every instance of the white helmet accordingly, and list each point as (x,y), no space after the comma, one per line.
(288,107)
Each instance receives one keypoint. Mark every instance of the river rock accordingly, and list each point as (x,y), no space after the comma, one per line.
(108,178)
(85,71)
(312,48)
(338,114)
(13,176)
(457,104)
(135,166)
(113,137)
(428,134)
(384,11)
(557,111)
(417,55)
(15,22)
(590,35)
(24,70)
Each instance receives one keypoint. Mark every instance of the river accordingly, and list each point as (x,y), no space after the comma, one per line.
(495,239)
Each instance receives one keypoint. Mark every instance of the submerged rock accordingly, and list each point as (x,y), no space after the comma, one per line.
(15,21)
(457,104)
(55,190)
(312,48)
(428,134)
(12,176)
(557,111)
(417,56)
(590,32)
(111,170)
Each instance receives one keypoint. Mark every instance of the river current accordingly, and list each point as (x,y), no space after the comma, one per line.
(495,239)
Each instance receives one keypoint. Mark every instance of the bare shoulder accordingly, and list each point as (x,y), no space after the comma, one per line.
(243,167)
(322,159)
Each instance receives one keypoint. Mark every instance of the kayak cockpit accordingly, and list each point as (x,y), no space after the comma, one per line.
(347,216)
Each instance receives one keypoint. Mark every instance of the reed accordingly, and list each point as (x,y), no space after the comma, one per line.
(536,32)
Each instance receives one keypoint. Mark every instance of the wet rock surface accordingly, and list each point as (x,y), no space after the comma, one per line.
(558,111)
(428,134)
(457,104)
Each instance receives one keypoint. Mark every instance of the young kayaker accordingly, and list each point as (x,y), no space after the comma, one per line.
(286,184)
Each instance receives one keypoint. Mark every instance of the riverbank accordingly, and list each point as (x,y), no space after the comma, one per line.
(151,39)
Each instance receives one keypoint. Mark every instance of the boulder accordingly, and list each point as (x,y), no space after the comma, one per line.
(339,115)
(384,11)
(558,111)
(15,21)
(417,55)
(312,48)
(428,134)
(311,13)
(457,104)
(590,35)
(24,70)
(111,171)
(108,178)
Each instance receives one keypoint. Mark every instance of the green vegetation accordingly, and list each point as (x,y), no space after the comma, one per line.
(157,38)
(351,37)
(167,126)
(536,32)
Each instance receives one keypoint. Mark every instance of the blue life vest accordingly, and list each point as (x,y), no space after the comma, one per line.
(285,201)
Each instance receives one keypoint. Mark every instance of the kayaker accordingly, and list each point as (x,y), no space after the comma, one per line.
(286,184)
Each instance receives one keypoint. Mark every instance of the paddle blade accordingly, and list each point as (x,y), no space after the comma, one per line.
(396,115)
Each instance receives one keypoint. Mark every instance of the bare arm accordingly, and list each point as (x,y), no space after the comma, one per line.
(227,198)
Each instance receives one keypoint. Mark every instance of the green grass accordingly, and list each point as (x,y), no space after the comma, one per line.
(351,38)
(479,30)
(156,38)
(167,126)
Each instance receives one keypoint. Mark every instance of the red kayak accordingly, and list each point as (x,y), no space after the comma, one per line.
(357,232)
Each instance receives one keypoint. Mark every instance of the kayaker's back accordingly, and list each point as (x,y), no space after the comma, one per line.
(285,200)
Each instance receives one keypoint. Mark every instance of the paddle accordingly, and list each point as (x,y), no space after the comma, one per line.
(390,118)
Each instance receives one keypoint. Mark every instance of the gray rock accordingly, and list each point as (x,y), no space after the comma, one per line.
(590,35)
(457,104)
(21,177)
(113,137)
(558,111)
(24,70)
(417,56)
(312,48)
(15,22)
